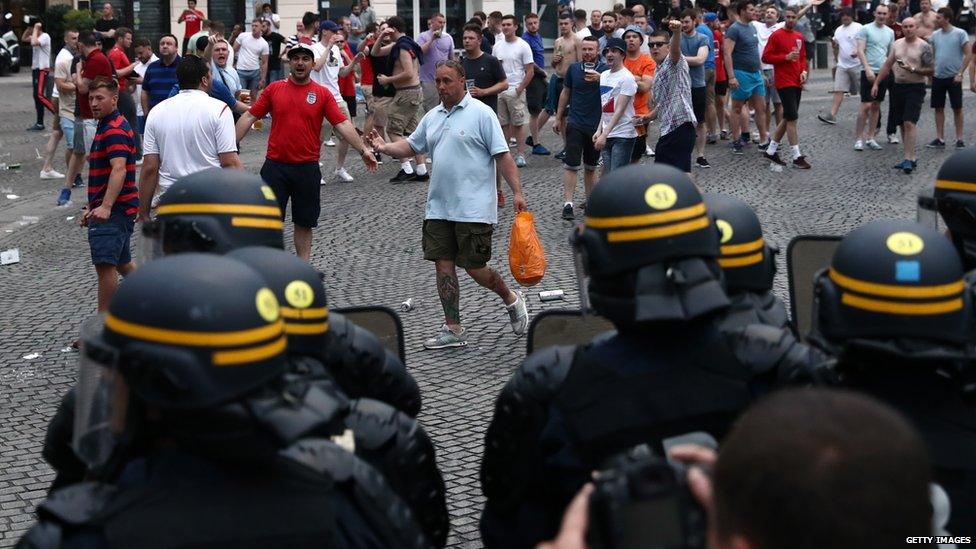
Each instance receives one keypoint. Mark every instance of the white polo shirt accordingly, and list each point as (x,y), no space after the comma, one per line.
(188,131)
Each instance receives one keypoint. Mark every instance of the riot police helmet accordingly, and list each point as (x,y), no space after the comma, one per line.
(187,334)
(954,198)
(300,293)
(214,211)
(893,281)
(747,259)
(650,248)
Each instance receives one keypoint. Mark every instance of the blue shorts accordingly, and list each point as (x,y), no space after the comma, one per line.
(750,83)
(552,94)
(68,128)
(109,241)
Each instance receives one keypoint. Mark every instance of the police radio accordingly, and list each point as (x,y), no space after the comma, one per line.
(643,501)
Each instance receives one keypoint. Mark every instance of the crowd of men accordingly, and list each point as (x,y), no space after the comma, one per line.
(299,428)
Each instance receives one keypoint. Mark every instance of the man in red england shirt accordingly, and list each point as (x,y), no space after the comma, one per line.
(785,52)
(298,106)
(192,18)
(94,64)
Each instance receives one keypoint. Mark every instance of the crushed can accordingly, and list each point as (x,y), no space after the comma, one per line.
(407,305)
(551,295)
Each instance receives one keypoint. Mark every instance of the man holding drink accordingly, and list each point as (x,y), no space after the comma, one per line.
(785,52)
(581,93)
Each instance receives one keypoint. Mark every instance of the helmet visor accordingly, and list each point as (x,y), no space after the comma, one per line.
(579,265)
(149,245)
(100,404)
(926,212)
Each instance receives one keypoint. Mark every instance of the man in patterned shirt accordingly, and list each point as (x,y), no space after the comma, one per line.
(113,199)
(672,95)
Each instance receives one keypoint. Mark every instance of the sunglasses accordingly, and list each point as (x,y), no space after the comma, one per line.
(656,44)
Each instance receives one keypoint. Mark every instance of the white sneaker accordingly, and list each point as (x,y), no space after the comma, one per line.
(893,139)
(51,174)
(649,151)
(859,145)
(518,314)
(330,143)
(446,339)
(874,145)
(342,174)
(322,182)
(139,162)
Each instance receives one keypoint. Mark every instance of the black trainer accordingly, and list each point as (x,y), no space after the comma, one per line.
(568,212)
(701,162)
(401,177)
(418,177)
(774,158)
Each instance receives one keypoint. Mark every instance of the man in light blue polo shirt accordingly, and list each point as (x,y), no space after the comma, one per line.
(874,41)
(464,135)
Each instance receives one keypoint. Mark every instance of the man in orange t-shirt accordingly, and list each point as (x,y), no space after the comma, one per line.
(642,67)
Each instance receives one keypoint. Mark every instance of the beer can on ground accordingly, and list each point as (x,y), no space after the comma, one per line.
(551,295)
(407,305)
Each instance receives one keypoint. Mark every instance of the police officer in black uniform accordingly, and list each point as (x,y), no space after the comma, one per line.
(748,262)
(954,198)
(386,438)
(651,251)
(896,311)
(181,390)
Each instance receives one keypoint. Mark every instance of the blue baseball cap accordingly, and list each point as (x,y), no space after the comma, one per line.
(328,25)
(710,16)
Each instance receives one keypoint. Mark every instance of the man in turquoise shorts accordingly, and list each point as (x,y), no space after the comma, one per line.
(745,78)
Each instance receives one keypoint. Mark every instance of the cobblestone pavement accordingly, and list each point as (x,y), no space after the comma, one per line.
(369,244)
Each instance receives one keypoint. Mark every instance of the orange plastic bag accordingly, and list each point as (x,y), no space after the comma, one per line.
(525,255)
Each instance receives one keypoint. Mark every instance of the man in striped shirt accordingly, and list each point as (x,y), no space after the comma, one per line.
(113,199)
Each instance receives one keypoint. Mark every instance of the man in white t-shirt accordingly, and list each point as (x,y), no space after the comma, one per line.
(847,74)
(40,42)
(252,58)
(616,135)
(185,134)
(144,58)
(330,65)
(765,29)
(63,96)
(515,56)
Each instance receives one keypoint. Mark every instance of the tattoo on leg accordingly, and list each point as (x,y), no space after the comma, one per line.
(450,294)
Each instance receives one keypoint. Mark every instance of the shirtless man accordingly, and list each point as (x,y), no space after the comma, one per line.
(566,51)
(406,108)
(925,20)
(912,60)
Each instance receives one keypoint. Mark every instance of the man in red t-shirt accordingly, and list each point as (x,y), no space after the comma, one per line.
(124,69)
(786,53)
(192,18)
(94,64)
(291,168)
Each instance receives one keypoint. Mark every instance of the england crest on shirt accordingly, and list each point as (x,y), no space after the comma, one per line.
(310,98)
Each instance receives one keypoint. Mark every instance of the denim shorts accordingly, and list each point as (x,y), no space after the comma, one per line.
(109,241)
(750,83)
(249,79)
(84,135)
(616,153)
(68,128)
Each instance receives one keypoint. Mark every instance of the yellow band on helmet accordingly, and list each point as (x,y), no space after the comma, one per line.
(735,249)
(230,209)
(950,185)
(251,354)
(898,308)
(256,222)
(891,290)
(294,328)
(659,232)
(645,219)
(315,312)
(193,339)
(743,261)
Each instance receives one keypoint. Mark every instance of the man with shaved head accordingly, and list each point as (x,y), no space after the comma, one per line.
(911,60)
